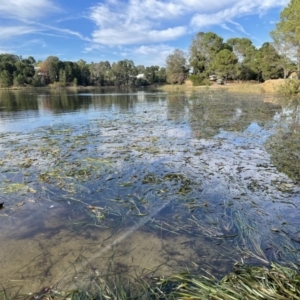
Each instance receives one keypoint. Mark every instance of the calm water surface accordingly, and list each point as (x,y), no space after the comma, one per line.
(144,182)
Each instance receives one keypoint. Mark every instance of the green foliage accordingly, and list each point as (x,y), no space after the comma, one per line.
(62,77)
(269,61)
(150,73)
(199,79)
(290,87)
(37,81)
(75,81)
(123,71)
(224,63)
(52,68)
(161,75)
(286,51)
(241,47)
(84,74)
(19,80)
(203,50)
(141,82)
(288,27)
(101,73)
(176,67)
(5,79)
(18,71)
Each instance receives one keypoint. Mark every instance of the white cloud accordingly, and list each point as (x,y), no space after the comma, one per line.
(65,31)
(25,9)
(152,54)
(154,49)
(224,26)
(137,22)
(138,35)
(236,9)
(93,47)
(9,31)
(33,43)
(156,21)
(239,27)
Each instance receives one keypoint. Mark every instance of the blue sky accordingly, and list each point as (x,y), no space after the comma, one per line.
(146,31)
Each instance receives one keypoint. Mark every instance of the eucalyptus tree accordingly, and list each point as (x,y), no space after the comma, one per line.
(23,72)
(84,74)
(151,74)
(203,50)
(225,63)
(286,50)
(288,27)
(269,61)
(100,73)
(123,71)
(71,71)
(161,75)
(241,47)
(51,67)
(245,53)
(176,68)
(140,69)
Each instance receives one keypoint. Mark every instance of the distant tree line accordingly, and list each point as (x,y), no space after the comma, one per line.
(16,71)
(238,58)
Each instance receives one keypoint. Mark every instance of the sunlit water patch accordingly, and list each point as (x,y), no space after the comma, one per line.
(141,183)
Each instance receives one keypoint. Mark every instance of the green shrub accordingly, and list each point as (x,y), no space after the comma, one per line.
(290,87)
(199,80)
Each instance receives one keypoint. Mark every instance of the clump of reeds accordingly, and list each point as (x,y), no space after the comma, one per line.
(173,87)
(246,88)
(244,282)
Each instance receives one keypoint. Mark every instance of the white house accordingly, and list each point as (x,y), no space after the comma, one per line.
(140,76)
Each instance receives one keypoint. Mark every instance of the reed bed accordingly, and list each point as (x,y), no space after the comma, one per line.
(243,283)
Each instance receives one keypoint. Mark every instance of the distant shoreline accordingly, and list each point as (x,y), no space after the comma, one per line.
(269,86)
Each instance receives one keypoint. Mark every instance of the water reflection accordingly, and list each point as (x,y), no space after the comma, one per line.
(59,101)
(284,145)
(30,109)
(231,112)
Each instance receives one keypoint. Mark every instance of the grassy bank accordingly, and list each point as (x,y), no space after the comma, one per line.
(252,87)
(269,86)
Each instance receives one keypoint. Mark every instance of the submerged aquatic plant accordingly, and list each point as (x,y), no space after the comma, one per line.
(244,282)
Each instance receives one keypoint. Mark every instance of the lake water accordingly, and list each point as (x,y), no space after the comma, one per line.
(143,183)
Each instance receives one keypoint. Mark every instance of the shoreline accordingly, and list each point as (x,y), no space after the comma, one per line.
(268,87)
